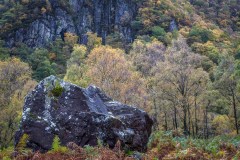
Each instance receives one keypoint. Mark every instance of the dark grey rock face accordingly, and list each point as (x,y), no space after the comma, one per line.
(100,16)
(80,115)
(173,25)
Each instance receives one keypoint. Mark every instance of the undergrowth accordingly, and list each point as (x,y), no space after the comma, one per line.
(161,146)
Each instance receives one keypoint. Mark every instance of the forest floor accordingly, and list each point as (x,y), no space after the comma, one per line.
(162,146)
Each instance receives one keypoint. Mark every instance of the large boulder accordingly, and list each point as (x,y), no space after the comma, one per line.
(80,115)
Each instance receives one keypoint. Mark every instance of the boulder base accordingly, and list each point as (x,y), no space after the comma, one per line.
(79,115)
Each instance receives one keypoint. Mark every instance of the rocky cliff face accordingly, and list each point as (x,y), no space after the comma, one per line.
(80,115)
(79,17)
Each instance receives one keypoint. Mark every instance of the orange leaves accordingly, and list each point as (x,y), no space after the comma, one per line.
(52,56)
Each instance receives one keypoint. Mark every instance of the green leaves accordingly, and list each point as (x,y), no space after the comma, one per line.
(201,34)
(57,90)
(56,146)
(22,144)
(158,32)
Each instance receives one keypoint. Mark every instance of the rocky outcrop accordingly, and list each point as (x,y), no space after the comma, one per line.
(80,115)
(78,16)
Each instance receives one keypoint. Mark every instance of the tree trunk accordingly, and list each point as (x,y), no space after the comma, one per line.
(175,117)
(189,119)
(196,120)
(206,121)
(155,114)
(235,111)
(185,127)
(166,124)
(193,130)
(173,122)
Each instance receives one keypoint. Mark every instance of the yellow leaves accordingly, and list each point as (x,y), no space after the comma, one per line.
(206,48)
(159,2)
(93,41)
(23,16)
(227,42)
(155,11)
(147,23)
(154,150)
(221,154)
(43,10)
(184,31)
(217,33)
(109,69)
(222,124)
(138,47)
(107,62)
(81,50)
(22,144)
(76,69)
(13,75)
(145,55)
(208,43)
(52,56)
(70,38)
(202,24)
(224,23)
(15,78)
(238,48)
(13,63)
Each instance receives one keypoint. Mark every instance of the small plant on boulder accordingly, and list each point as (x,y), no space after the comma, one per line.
(22,143)
(57,90)
(56,146)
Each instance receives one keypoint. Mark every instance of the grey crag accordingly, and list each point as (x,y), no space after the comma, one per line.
(78,17)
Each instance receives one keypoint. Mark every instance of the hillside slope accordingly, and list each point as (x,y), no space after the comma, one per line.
(179,60)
